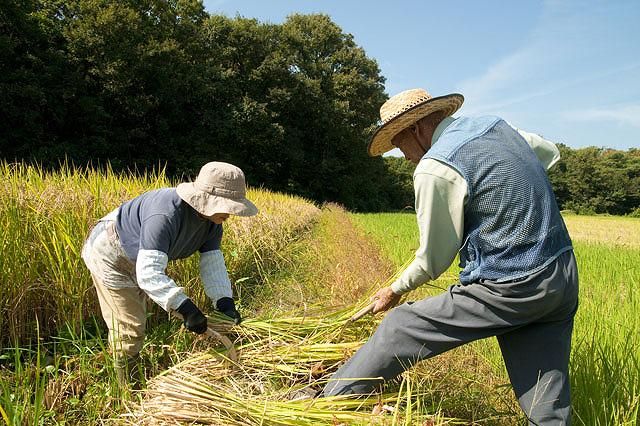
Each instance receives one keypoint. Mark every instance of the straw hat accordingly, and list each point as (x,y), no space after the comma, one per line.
(404,110)
(219,188)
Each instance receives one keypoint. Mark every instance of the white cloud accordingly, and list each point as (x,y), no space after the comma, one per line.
(625,115)
(557,54)
(500,76)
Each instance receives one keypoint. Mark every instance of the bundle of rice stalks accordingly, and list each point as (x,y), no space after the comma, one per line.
(277,358)
(208,393)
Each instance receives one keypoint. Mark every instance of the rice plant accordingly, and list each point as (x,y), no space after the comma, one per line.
(47,293)
(300,273)
(45,217)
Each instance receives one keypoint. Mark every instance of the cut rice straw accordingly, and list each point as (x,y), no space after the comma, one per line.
(277,358)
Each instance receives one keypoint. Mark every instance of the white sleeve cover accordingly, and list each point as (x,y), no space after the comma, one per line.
(152,279)
(215,278)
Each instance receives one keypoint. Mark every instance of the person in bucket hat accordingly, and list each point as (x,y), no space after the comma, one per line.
(128,250)
(481,192)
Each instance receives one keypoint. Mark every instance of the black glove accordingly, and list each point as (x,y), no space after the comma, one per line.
(227,307)
(192,317)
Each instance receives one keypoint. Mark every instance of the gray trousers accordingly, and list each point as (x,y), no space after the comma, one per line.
(532,320)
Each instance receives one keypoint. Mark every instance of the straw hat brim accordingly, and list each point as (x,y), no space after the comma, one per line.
(381,139)
(208,204)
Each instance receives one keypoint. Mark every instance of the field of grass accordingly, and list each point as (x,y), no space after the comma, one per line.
(605,362)
(300,272)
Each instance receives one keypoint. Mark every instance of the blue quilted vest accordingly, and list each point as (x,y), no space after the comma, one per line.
(512,225)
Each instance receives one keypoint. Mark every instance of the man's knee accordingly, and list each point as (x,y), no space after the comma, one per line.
(393,326)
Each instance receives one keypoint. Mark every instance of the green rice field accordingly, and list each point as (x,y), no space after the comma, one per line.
(605,362)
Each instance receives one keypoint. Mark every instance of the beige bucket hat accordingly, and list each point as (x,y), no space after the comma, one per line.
(404,110)
(219,188)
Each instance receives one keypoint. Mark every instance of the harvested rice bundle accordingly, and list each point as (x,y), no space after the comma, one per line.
(278,357)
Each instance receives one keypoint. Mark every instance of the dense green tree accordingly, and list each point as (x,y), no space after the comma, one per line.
(303,96)
(147,83)
(334,99)
(400,180)
(597,180)
(35,81)
(140,62)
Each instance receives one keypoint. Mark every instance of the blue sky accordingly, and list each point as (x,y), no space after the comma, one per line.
(568,70)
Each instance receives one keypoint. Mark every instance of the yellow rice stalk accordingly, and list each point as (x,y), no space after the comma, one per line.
(194,392)
(45,217)
(278,357)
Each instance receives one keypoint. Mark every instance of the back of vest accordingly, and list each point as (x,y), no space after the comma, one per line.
(512,224)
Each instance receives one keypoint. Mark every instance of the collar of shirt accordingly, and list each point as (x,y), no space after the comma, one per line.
(440,128)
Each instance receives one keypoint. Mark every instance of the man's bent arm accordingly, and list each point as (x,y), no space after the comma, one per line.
(440,196)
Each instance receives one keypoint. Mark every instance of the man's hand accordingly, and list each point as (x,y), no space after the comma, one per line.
(386,299)
(227,307)
(192,317)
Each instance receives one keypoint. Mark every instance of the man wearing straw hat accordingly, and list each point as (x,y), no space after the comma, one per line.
(481,192)
(128,250)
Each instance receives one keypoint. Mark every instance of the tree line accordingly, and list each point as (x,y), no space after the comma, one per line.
(162,83)
(155,83)
(597,180)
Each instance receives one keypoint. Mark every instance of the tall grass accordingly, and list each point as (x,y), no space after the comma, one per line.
(53,363)
(45,217)
(296,294)
(605,368)
(606,357)
(70,377)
